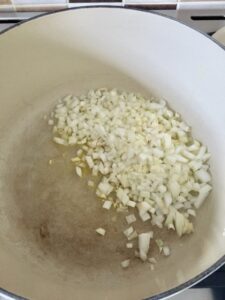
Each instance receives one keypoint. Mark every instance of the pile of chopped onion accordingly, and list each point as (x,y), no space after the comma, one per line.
(144,154)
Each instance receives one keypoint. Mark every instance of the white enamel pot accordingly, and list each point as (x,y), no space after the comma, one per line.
(48,249)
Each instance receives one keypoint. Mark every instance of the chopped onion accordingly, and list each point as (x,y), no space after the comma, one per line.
(168,199)
(143,153)
(203,193)
(107,204)
(60,141)
(125,264)
(75,159)
(128,231)
(174,188)
(131,203)
(132,236)
(50,162)
(101,231)
(79,171)
(131,219)
(166,250)
(143,207)
(105,188)
(203,175)
(129,245)
(145,217)
(160,244)
(122,196)
(182,224)
(152,260)
(144,244)
(89,161)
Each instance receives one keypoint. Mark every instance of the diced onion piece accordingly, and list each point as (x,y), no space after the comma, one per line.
(132,236)
(167,141)
(105,188)
(144,244)
(122,196)
(100,194)
(162,189)
(75,159)
(206,157)
(143,207)
(195,165)
(182,224)
(59,141)
(152,260)
(89,161)
(181,159)
(129,245)
(127,232)
(166,251)
(79,171)
(125,264)
(195,146)
(171,226)
(203,193)
(203,175)
(168,199)
(131,219)
(174,188)
(72,140)
(201,152)
(160,244)
(101,231)
(131,203)
(122,209)
(188,154)
(107,204)
(50,162)
(145,217)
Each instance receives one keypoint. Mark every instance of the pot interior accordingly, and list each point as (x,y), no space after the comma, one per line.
(48,217)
